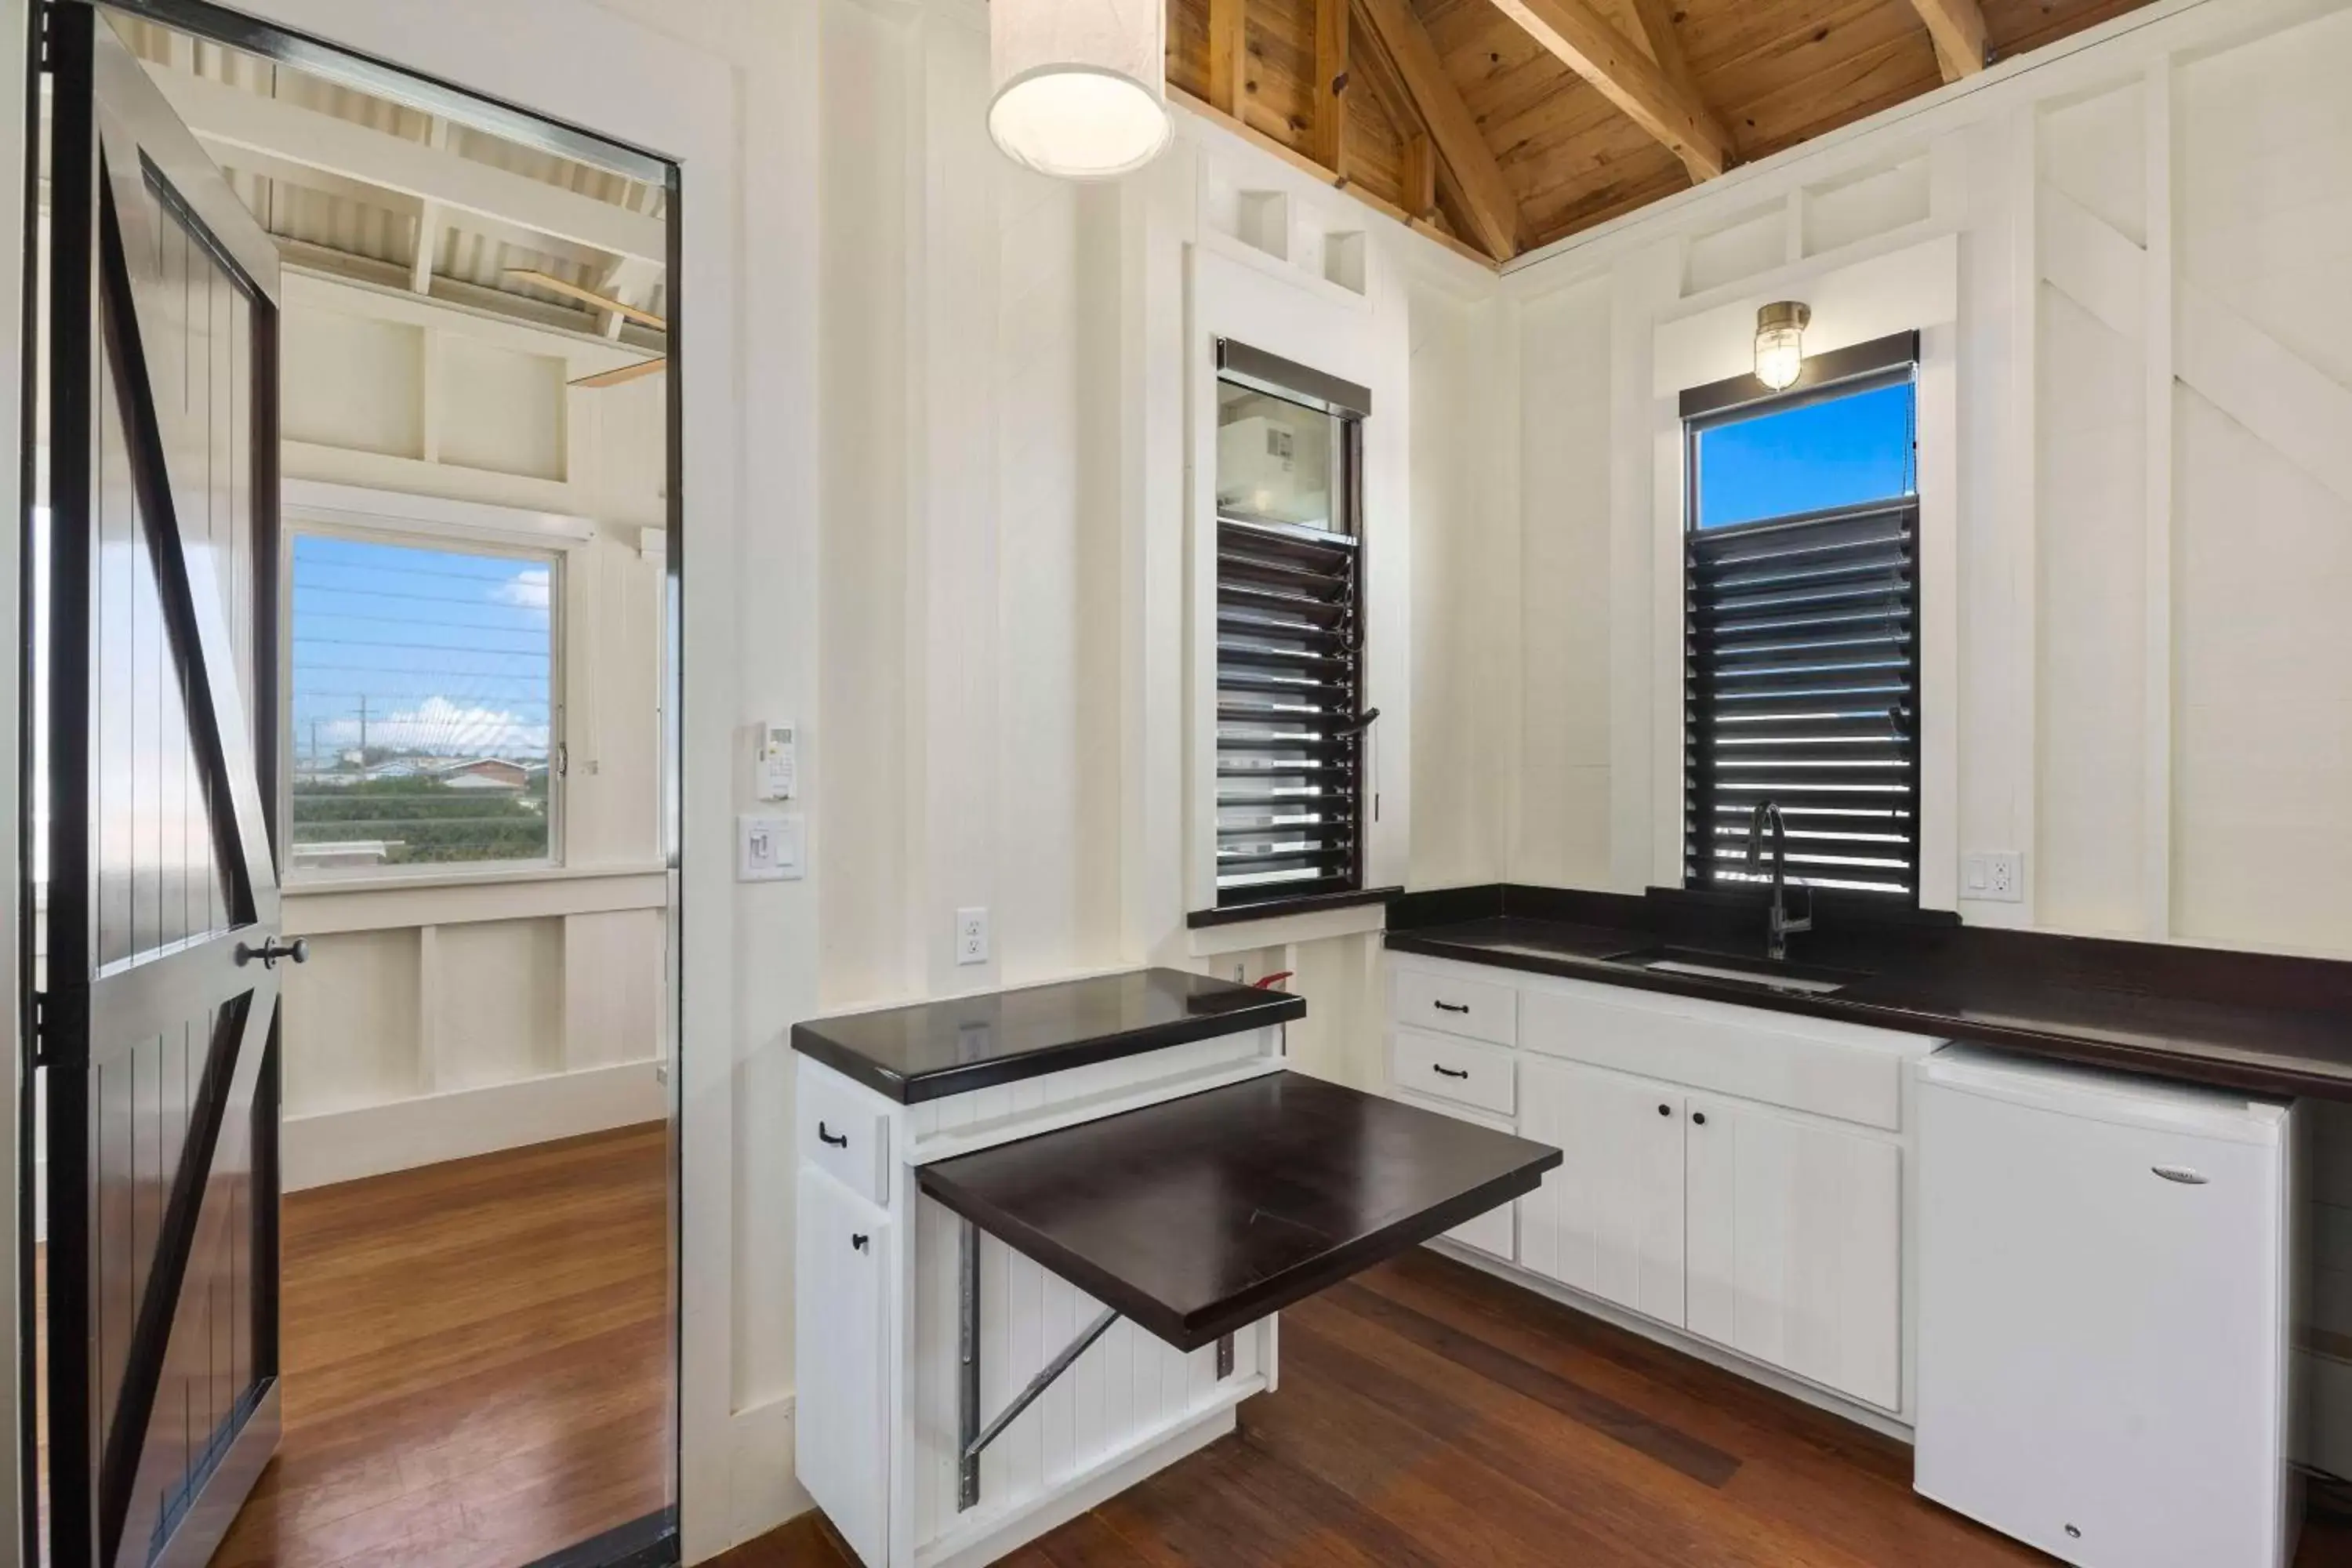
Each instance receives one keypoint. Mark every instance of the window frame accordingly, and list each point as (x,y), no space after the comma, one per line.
(1894,360)
(1347,405)
(296,523)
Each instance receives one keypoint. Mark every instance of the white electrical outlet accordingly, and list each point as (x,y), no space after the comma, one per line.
(1995,876)
(971,936)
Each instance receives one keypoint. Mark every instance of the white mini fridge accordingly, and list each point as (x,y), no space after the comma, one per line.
(2107,1284)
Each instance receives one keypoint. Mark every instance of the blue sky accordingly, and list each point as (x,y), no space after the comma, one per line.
(1832,453)
(449,648)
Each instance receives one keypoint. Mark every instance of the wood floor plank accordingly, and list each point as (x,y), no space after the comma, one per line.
(477,1361)
(1430,1414)
(1701,1462)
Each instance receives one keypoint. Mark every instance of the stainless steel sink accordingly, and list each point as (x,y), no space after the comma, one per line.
(1760,972)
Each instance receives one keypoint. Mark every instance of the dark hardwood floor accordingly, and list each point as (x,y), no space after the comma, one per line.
(1431,1416)
(477,1358)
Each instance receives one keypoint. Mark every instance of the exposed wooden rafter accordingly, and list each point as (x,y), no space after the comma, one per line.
(1331,122)
(1654,19)
(1957,27)
(1585,41)
(1372,65)
(1491,207)
(1228,55)
(587,296)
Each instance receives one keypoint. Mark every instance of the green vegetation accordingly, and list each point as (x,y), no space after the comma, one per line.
(424,821)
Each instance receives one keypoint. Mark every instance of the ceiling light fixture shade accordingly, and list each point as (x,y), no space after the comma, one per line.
(1781,343)
(1081,86)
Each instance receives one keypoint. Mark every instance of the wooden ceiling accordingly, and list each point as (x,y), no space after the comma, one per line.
(1501,125)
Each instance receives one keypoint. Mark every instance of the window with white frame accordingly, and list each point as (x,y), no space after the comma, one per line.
(1801,646)
(423,704)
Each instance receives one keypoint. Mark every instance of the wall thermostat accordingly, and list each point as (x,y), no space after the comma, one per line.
(775,771)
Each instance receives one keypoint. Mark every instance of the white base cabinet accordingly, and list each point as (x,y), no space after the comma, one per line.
(1795,1246)
(1749,1190)
(840,1242)
(879,1321)
(1610,1221)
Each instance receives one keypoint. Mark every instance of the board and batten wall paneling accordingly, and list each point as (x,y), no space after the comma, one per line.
(499,409)
(352,381)
(2152,378)
(1562,834)
(862,562)
(2263,712)
(352,1023)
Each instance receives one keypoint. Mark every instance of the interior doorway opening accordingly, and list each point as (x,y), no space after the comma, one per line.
(450,590)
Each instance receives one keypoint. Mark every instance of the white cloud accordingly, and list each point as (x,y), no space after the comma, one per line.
(437,724)
(527,589)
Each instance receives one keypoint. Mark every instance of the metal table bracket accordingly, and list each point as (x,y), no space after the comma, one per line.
(972,1437)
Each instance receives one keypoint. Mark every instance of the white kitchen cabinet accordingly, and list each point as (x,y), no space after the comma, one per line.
(1495,1232)
(1609,1221)
(1795,1246)
(840,1349)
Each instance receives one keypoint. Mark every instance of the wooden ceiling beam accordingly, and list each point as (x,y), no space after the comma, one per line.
(1228,54)
(1371,64)
(1655,20)
(1957,27)
(1493,208)
(1585,41)
(1330,113)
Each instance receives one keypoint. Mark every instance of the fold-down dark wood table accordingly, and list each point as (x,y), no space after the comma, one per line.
(1198,1216)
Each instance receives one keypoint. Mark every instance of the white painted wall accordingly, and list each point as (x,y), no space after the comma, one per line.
(2133,406)
(474,1011)
(1017,383)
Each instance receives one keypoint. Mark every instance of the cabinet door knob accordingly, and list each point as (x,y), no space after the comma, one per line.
(1449,1072)
(1665,1111)
(858,1241)
(839,1140)
(1699,1117)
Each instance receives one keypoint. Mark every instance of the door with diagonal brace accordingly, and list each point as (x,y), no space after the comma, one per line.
(158,1012)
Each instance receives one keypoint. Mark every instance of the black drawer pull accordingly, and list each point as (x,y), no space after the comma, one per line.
(1699,1117)
(858,1241)
(1449,1072)
(1665,1111)
(839,1142)
(1451,1007)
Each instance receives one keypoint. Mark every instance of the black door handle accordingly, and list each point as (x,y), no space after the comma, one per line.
(839,1140)
(858,1241)
(1451,1007)
(272,950)
(1449,1072)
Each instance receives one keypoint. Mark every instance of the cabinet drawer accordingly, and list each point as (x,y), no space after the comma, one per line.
(1460,1070)
(1495,1232)
(1478,1008)
(846,1136)
(1821,1065)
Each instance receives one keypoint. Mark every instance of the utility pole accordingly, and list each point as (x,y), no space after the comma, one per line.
(363,760)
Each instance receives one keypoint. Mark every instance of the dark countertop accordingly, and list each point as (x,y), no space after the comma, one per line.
(1198,1216)
(2263,1022)
(932,1049)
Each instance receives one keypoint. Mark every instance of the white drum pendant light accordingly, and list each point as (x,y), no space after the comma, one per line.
(1081,88)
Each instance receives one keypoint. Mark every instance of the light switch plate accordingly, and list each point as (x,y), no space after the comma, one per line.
(1995,876)
(768,848)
